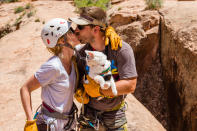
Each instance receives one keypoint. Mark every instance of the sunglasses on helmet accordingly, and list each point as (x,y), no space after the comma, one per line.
(72,30)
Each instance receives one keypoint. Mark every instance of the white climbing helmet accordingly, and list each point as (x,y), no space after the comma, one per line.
(53,30)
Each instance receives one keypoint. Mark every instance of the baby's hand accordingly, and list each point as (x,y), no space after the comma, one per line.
(106,85)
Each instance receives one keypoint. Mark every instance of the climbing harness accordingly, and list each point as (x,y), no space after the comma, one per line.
(46,110)
(85,122)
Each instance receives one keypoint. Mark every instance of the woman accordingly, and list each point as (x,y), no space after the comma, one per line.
(57,77)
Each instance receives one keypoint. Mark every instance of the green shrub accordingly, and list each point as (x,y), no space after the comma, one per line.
(19,9)
(18,20)
(8,1)
(154,4)
(5,30)
(37,20)
(30,14)
(104,4)
(28,6)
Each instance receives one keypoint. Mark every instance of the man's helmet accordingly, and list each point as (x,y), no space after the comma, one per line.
(53,30)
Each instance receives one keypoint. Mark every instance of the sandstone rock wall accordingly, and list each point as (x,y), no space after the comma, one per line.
(179,64)
(140,28)
(166,60)
(179,67)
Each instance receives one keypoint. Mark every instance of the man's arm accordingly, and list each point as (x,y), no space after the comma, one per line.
(123,87)
(126,71)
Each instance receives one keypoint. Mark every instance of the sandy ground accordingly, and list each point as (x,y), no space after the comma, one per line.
(21,54)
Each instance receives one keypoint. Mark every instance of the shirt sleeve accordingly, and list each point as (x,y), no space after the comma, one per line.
(126,63)
(46,74)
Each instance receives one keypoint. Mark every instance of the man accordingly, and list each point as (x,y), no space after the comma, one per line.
(107,114)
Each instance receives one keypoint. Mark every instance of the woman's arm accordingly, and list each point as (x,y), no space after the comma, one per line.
(25,93)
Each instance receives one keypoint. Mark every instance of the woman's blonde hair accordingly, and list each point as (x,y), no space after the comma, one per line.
(57,49)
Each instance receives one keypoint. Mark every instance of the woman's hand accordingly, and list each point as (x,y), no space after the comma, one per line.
(31,126)
(72,39)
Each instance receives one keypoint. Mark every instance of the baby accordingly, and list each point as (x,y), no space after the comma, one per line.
(100,70)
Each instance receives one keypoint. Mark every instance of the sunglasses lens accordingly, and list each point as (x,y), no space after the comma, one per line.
(80,27)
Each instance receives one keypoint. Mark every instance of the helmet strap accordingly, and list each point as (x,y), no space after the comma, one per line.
(66,44)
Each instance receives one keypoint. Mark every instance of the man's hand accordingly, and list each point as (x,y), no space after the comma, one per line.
(113,37)
(31,126)
(92,88)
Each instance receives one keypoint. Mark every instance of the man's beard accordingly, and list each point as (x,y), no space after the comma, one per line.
(82,41)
